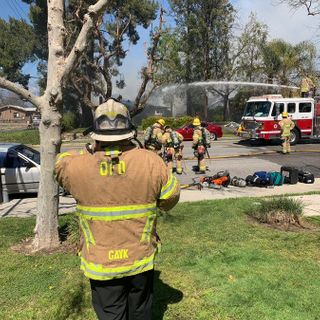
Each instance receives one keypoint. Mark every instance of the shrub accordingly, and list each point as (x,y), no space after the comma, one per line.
(70,230)
(69,121)
(174,122)
(278,211)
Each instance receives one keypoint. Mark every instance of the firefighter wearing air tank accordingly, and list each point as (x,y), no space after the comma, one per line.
(153,136)
(201,141)
(118,188)
(172,143)
(286,125)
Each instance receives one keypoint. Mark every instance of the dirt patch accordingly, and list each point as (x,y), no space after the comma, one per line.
(302,226)
(25,248)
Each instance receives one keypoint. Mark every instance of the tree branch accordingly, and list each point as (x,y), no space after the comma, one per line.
(80,45)
(86,100)
(311,6)
(19,90)
(147,72)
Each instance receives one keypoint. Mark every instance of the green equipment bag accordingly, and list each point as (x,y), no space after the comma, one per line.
(277,178)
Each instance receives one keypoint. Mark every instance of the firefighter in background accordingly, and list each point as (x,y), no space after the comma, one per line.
(286,125)
(172,143)
(307,87)
(153,136)
(118,188)
(201,141)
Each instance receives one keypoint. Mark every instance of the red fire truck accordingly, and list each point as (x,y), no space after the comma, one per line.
(262,114)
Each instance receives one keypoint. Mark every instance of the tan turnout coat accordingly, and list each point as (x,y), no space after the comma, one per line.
(118,191)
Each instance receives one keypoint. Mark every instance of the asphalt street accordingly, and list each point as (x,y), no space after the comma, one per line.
(241,158)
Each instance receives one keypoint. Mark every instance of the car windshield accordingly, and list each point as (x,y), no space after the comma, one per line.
(30,153)
(186,125)
(257,109)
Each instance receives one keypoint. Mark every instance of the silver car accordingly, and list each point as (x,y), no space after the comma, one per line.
(20,169)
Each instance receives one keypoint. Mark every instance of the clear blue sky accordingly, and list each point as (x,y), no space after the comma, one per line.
(291,25)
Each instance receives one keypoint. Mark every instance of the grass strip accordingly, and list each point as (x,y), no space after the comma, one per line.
(215,264)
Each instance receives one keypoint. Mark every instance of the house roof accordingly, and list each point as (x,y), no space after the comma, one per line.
(9,106)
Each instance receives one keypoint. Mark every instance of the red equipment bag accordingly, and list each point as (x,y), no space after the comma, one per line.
(201,150)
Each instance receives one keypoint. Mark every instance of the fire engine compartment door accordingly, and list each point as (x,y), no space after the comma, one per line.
(316,122)
(304,117)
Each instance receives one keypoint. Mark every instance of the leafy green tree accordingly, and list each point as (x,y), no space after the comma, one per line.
(205,28)
(106,51)
(251,44)
(17,43)
(285,63)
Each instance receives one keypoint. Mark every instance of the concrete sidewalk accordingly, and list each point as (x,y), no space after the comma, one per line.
(311,202)
(27,207)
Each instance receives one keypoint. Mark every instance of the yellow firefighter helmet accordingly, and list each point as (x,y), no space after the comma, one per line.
(161,122)
(196,122)
(285,114)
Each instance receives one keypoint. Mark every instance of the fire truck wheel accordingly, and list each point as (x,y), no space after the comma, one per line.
(294,137)
(257,142)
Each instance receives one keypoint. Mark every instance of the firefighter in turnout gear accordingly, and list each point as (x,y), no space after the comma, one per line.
(172,143)
(286,125)
(118,188)
(201,141)
(306,87)
(153,136)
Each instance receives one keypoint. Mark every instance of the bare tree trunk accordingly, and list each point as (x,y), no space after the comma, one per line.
(205,106)
(46,229)
(50,106)
(226,108)
(148,72)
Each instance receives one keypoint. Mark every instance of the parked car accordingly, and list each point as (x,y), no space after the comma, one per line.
(20,168)
(187,130)
(34,123)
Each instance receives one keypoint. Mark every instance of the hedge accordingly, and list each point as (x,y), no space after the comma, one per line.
(170,121)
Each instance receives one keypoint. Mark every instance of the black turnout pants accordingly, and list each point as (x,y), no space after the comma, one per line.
(128,298)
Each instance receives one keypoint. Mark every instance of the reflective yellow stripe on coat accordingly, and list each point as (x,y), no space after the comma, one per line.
(60,156)
(98,272)
(116,213)
(169,188)
(87,233)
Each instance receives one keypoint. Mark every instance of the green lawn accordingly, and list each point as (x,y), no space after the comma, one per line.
(213,265)
(21,136)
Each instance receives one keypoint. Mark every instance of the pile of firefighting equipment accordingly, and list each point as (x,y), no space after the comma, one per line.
(287,175)
(221,178)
